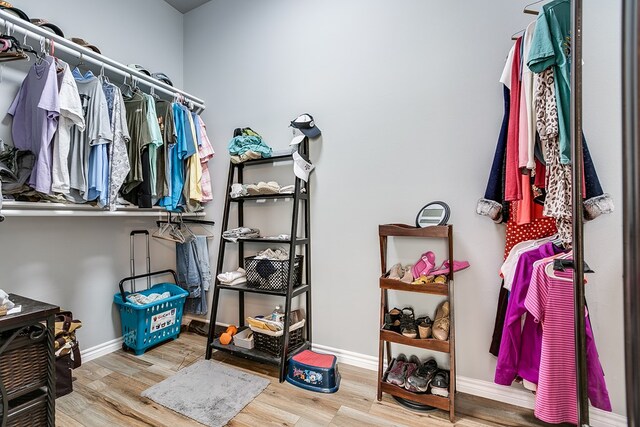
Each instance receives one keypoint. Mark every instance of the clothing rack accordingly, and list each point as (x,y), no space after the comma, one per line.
(15,24)
(631,204)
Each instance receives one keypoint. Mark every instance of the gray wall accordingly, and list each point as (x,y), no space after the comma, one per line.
(77,262)
(407,96)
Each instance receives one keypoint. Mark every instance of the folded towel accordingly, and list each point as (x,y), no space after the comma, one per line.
(231,276)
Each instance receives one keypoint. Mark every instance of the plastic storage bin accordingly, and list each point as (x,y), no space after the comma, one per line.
(146,325)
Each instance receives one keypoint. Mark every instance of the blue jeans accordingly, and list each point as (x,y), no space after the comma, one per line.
(194,273)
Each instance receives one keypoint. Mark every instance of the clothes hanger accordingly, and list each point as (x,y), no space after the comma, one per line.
(532,11)
(127,90)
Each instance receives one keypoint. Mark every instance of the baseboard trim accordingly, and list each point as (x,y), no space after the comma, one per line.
(101,350)
(486,389)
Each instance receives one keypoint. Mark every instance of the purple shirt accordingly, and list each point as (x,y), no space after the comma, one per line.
(35,112)
(520,347)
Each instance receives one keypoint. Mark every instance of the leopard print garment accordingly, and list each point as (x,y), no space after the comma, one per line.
(557,203)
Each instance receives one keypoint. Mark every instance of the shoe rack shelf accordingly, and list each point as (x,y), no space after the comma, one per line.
(430,288)
(300,194)
(427,344)
(387,337)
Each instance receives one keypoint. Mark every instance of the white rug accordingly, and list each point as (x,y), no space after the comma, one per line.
(208,392)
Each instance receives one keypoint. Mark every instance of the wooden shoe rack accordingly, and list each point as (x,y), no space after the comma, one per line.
(416,400)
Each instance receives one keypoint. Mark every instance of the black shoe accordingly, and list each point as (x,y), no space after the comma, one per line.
(440,384)
(419,381)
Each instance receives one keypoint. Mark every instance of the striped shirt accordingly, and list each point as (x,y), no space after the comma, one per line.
(550,300)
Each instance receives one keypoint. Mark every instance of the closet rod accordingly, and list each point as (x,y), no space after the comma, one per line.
(631,204)
(577,206)
(37,33)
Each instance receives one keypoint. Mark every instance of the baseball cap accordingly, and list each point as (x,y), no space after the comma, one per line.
(140,68)
(301,168)
(86,44)
(8,7)
(43,23)
(162,77)
(306,124)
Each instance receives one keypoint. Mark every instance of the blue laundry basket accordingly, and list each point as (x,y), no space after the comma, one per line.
(144,326)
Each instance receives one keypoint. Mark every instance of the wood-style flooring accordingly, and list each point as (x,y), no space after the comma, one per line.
(107,393)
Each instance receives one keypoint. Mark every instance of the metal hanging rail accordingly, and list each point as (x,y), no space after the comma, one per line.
(631,204)
(28,29)
(577,206)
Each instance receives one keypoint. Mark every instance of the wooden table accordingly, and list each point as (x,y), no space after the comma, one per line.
(20,333)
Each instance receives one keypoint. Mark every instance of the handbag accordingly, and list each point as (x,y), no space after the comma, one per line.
(67,351)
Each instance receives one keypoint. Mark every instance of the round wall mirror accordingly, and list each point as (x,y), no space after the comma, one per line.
(434,213)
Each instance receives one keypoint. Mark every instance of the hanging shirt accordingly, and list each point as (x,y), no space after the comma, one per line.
(178,154)
(193,197)
(166,122)
(206,153)
(551,47)
(550,299)
(71,114)
(86,169)
(156,143)
(119,160)
(35,111)
(527,134)
(518,341)
(513,183)
(140,132)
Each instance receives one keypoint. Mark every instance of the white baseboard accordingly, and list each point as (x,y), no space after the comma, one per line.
(486,389)
(101,350)
(349,357)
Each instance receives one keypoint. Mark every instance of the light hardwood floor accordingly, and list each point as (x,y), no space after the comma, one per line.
(107,393)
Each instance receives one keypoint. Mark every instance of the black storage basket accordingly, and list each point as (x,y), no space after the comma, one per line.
(273,345)
(272,274)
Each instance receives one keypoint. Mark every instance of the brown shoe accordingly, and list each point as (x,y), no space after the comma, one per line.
(440,330)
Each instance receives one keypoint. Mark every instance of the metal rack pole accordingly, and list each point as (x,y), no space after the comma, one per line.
(578,243)
(37,33)
(631,205)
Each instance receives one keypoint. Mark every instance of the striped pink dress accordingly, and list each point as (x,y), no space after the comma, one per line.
(550,300)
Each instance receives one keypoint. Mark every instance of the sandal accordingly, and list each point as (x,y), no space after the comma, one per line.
(396,272)
(407,277)
(457,266)
(440,279)
(423,280)
(424,265)
(424,327)
(408,323)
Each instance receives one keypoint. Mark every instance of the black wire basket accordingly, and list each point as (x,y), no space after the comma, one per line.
(273,344)
(272,274)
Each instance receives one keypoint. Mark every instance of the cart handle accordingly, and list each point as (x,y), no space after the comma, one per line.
(140,276)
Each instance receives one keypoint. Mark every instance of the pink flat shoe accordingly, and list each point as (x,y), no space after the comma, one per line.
(424,265)
(457,266)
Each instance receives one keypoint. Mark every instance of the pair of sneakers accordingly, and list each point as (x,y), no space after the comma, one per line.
(417,377)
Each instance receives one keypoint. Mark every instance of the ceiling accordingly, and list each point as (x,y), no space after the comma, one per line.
(185,6)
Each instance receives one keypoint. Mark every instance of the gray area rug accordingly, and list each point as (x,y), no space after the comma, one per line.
(208,392)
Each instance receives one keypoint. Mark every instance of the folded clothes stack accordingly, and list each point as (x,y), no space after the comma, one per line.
(139,299)
(280,254)
(261,188)
(232,278)
(240,233)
